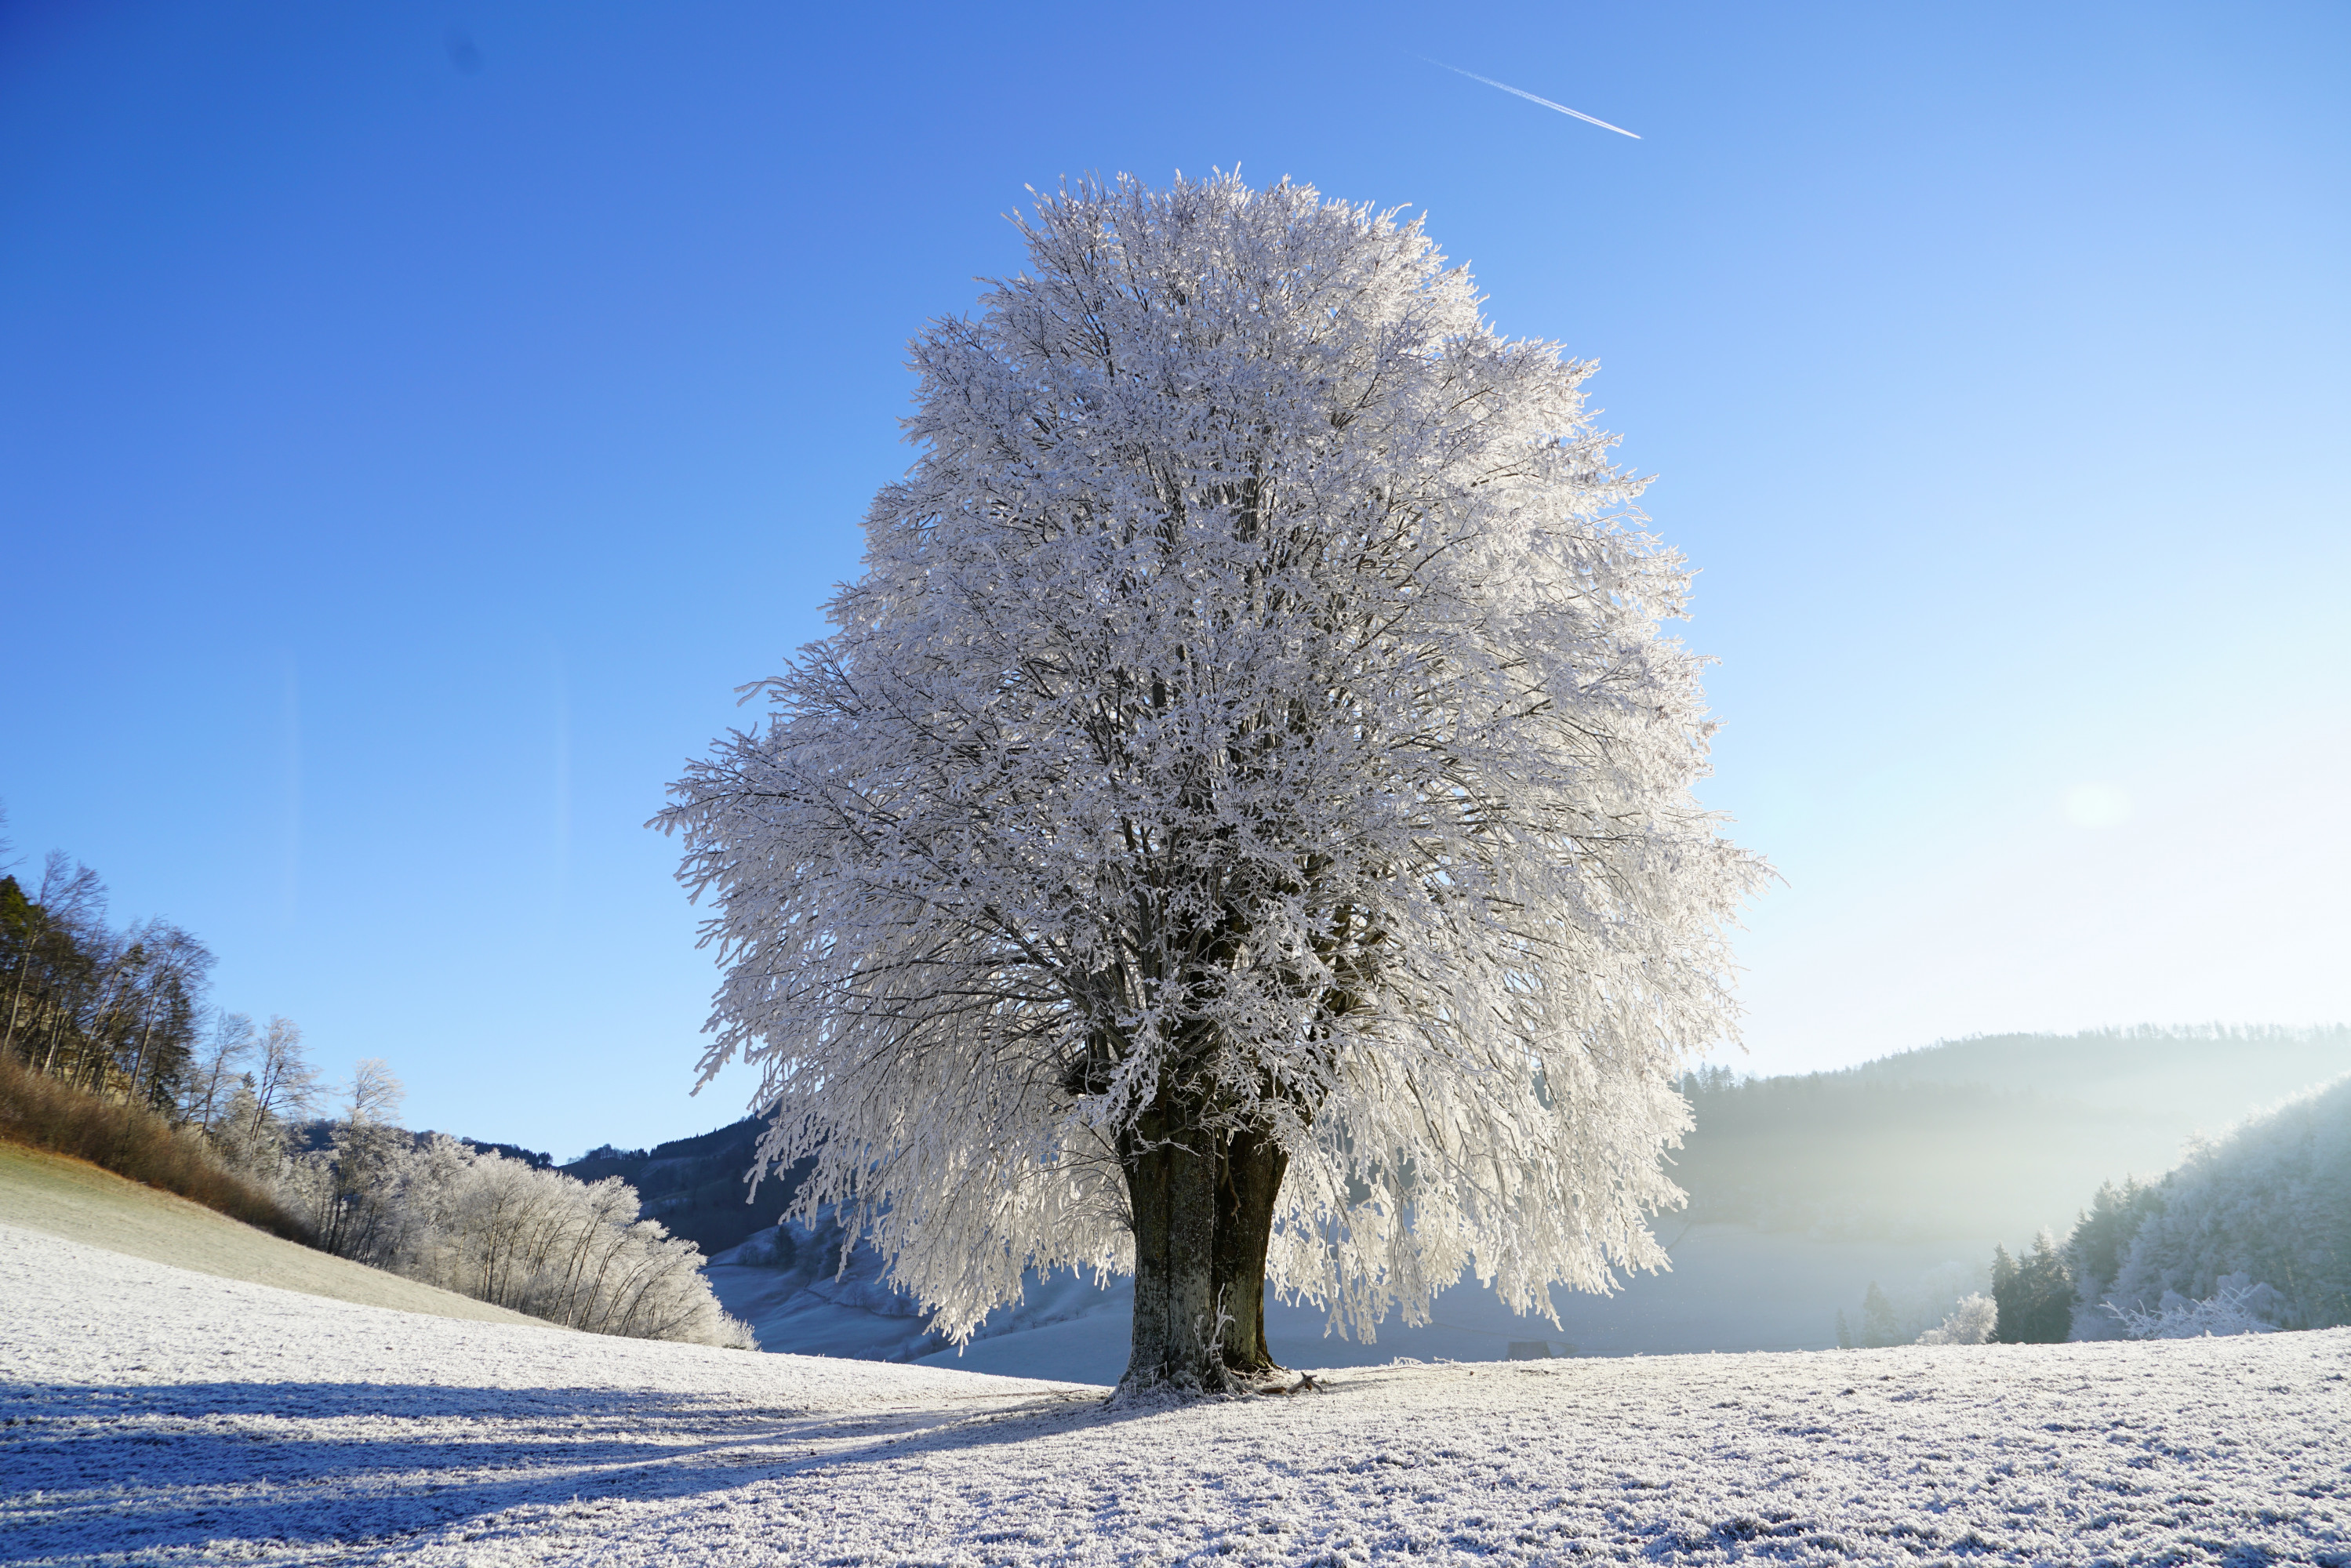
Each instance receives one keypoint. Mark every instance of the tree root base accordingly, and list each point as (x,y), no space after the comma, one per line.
(1235,1382)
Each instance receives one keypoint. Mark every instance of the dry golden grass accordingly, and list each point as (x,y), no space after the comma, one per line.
(40,1112)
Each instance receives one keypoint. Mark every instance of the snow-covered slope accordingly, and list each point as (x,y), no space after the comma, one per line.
(153,1415)
(66,1197)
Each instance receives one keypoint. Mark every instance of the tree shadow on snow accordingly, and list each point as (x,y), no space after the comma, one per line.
(132,1468)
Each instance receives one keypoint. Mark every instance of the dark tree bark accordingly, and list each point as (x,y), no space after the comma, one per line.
(1171,1177)
(1203,1203)
(1249,1179)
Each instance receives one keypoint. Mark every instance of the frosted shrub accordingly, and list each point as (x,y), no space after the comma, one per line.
(1970,1322)
(468,1221)
(572,1253)
(2230,1311)
(496,1230)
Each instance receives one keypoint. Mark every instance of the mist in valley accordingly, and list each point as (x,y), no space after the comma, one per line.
(1804,1193)
(1908,1171)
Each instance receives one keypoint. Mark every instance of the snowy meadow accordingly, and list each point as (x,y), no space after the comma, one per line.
(157,1416)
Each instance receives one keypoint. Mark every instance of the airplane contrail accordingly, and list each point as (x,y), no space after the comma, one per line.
(1530,98)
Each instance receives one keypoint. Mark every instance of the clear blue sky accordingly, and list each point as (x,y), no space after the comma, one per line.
(417,419)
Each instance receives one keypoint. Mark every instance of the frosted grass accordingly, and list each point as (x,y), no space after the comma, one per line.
(158,1415)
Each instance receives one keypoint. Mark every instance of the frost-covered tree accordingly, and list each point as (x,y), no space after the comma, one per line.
(1240,826)
(1971,1321)
(285,1083)
(214,1078)
(2265,1208)
(353,1186)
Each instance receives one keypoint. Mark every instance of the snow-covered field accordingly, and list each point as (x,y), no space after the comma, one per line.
(155,1415)
(49,1192)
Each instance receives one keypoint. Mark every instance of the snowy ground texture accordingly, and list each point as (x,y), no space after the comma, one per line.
(158,1415)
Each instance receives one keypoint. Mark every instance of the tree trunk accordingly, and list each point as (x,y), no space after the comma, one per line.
(1203,1207)
(1249,1179)
(138,1062)
(16,996)
(1171,1179)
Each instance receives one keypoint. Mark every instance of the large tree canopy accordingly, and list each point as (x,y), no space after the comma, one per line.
(1239,827)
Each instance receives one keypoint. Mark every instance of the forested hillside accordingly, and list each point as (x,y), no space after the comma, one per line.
(109,1053)
(696,1187)
(115,1008)
(2256,1225)
(1992,1136)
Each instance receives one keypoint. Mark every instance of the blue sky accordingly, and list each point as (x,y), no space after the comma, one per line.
(416,420)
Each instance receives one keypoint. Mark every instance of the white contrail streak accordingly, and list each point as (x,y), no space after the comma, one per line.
(1547,103)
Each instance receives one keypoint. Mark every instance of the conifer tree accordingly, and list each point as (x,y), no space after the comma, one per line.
(1877,1326)
(2034,1294)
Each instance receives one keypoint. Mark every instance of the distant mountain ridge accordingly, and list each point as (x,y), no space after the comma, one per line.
(1998,1134)
(1803,1188)
(2144,1069)
(697,1186)
(319,1133)
(1991,1134)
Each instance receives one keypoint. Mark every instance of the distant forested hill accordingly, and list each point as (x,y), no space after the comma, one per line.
(2265,1212)
(1996,1135)
(694,1185)
(1971,1140)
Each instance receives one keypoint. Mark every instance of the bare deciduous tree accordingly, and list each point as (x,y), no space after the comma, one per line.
(285,1085)
(216,1073)
(373,1095)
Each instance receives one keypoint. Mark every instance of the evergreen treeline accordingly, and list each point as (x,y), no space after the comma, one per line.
(2034,1293)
